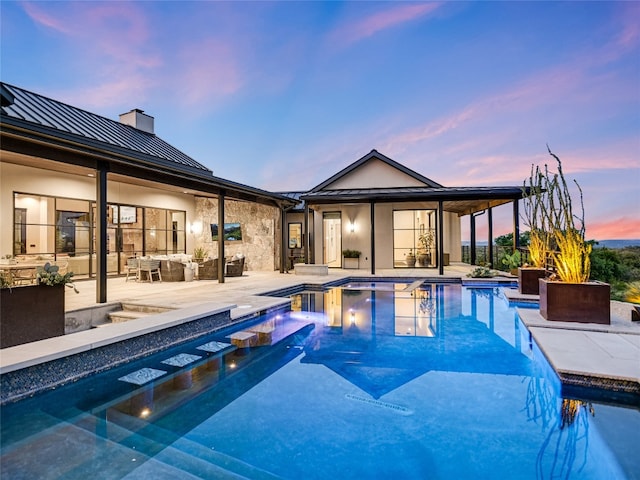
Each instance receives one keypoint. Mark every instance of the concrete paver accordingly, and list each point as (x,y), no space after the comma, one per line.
(597,352)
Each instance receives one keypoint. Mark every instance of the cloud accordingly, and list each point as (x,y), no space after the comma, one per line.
(629,32)
(130,90)
(43,18)
(617,228)
(531,93)
(114,54)
(354,31)
(208,72)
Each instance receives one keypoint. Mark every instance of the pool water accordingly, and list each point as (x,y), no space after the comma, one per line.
(385,380)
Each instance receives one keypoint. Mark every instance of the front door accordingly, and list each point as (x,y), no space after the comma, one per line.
(332,227)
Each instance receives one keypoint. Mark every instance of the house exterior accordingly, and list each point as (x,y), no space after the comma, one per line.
(89,192)
(392,215)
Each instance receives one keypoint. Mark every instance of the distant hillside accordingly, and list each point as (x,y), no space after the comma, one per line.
(601,243)
(617,243)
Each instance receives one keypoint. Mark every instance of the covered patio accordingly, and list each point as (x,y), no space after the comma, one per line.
(461,201)
(91,177)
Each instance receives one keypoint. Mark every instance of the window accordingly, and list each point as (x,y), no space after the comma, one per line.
(414,235)
(63,228)
(295,235)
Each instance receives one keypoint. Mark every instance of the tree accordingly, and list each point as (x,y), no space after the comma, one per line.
(507,240)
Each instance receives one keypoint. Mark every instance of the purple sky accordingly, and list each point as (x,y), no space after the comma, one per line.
(283,95)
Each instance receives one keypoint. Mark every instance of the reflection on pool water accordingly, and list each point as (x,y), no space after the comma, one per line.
(365,381)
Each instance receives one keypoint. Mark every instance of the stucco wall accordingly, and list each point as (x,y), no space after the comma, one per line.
(360,239)
(375,174)
(260,226)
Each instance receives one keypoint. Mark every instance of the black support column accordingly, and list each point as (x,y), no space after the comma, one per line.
(101,232)
(373,237)
(221,265)
(283,240)
(440,237)
(307,237)
(490,222)
(472,232)
(516,225)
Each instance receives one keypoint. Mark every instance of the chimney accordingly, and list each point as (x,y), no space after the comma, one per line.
(138,119)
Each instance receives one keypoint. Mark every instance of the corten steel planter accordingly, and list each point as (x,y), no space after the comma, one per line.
(528,280)
(587,302)
(30,313)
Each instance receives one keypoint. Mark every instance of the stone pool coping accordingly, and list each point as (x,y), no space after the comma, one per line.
(588,355)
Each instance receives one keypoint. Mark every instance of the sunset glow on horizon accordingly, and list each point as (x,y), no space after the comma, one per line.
(282,95)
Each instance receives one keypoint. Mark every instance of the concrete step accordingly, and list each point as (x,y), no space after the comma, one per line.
(148,309)
(125,316)
(132,311)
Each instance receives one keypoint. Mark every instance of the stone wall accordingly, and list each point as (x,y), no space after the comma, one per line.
(261,231)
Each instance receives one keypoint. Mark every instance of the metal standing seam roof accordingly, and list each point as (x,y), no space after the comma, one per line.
(295,196)
(37,109)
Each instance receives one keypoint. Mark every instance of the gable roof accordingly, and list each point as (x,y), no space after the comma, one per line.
(21,108)
(460,200)
(374,154)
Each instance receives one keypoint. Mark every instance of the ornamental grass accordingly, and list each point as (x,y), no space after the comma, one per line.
(534,197)
(571,257)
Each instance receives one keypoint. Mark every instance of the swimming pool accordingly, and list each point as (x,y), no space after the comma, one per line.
(380,380)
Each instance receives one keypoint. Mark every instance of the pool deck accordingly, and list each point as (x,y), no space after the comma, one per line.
(583,354)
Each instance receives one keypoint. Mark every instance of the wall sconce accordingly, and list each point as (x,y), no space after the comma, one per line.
(352,317)
(352,227)
(195,228)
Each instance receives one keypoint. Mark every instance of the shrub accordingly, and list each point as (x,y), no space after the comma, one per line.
(606,265)
(481,272)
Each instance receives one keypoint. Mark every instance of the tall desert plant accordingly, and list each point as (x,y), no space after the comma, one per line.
(534,198)
(571,257)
